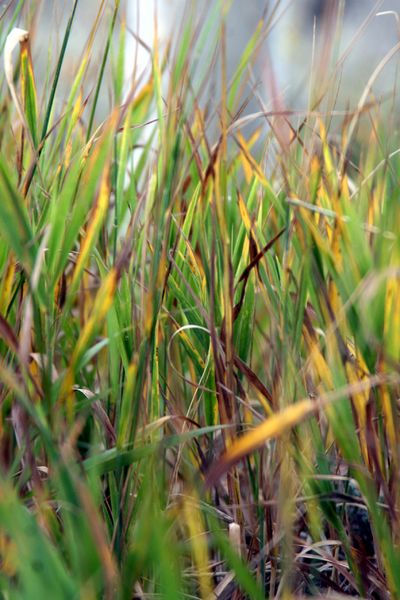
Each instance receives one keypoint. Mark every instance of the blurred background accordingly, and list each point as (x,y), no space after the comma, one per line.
(364,30)
(324,37)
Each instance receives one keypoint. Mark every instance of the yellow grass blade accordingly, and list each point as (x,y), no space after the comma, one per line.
(244,213)
(198,540)
(272,427)
(102,304)
(95,222)
(248,166)
(6,284)
(360,402)
(285,420)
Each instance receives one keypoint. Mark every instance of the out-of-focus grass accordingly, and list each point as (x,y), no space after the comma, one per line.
(199,373)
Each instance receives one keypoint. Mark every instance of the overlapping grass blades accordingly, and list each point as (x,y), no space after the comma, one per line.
(192,344)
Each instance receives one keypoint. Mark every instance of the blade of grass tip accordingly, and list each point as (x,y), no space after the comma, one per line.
(74,105)
(367,90)
(282,422)
(102,68)
(96,219)
(28,118)
(58,71)
(29,96)
(15,37)
(47,116)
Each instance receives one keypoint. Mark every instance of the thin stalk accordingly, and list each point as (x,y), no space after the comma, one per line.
(46,121)
(57,74)
(102,68)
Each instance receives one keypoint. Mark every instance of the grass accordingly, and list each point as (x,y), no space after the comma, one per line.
(199,372)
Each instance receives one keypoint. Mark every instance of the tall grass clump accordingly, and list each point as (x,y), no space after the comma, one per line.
(199,326)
